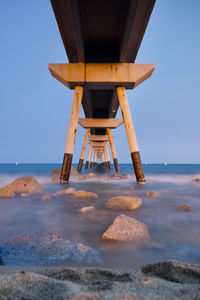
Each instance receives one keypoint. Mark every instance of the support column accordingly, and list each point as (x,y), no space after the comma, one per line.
(71,135)
(88,157)
(130,132)
(92,156)
(108,157)
(95,158)
(112,147)
(80,164)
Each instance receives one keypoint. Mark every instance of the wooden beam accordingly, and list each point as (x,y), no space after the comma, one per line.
(101,75)
(95,137)
(100,123)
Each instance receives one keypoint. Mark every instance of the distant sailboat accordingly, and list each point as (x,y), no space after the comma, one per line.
(16,163)
(165,163)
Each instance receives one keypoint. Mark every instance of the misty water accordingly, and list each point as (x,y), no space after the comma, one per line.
(174,234)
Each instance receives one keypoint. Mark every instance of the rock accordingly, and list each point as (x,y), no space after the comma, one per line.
(87,209)
(87,176)
(124,202)
(1,183)
(152,194)
(131,188)
(84,194)
(87,296)
(45,248)
(55,174)
(6,192)
(65,192)
(122,176)
(46,197)
(177,281)
(174,271)
(24,195)
(126,229)
(196,180)
(32,286)
(184,207)
(26,185)
(91,175)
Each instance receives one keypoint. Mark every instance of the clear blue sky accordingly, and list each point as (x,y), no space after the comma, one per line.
(35,108)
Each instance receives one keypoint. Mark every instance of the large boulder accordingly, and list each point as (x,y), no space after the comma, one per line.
(126,229)
(26,184)
(85,194)
(124,203)
(6,192)
(55,174)
(45,248)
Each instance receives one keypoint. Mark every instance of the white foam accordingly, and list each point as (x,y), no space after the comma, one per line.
(172,178)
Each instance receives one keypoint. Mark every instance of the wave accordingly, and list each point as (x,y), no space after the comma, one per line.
(103,178)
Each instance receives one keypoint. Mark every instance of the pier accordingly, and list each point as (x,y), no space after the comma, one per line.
(101,39)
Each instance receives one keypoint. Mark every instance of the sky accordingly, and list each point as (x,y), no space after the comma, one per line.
(35,107)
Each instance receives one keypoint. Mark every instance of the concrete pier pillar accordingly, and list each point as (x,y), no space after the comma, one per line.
(92,155)
(106,154)
(80,164)
(88,157)
(71,135)
(108,157)
(95,158)
(112,147)
(130,132)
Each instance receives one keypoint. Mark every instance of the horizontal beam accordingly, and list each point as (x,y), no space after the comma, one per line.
(100,123)
(98,144)
(95,137)
(107,75)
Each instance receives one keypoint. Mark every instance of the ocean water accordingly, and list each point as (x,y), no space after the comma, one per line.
(174,234)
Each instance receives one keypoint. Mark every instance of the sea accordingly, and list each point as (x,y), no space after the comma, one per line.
(174,234)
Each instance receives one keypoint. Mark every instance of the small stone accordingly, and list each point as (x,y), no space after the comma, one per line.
(65,192)
(6,192)
(184,207)
(196,180)
(84,194)
(124,202)
(26,185)
(126,229)
(91,175)
(152,194)
(87,209)
(131,188)
(46,197)
(24,195)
